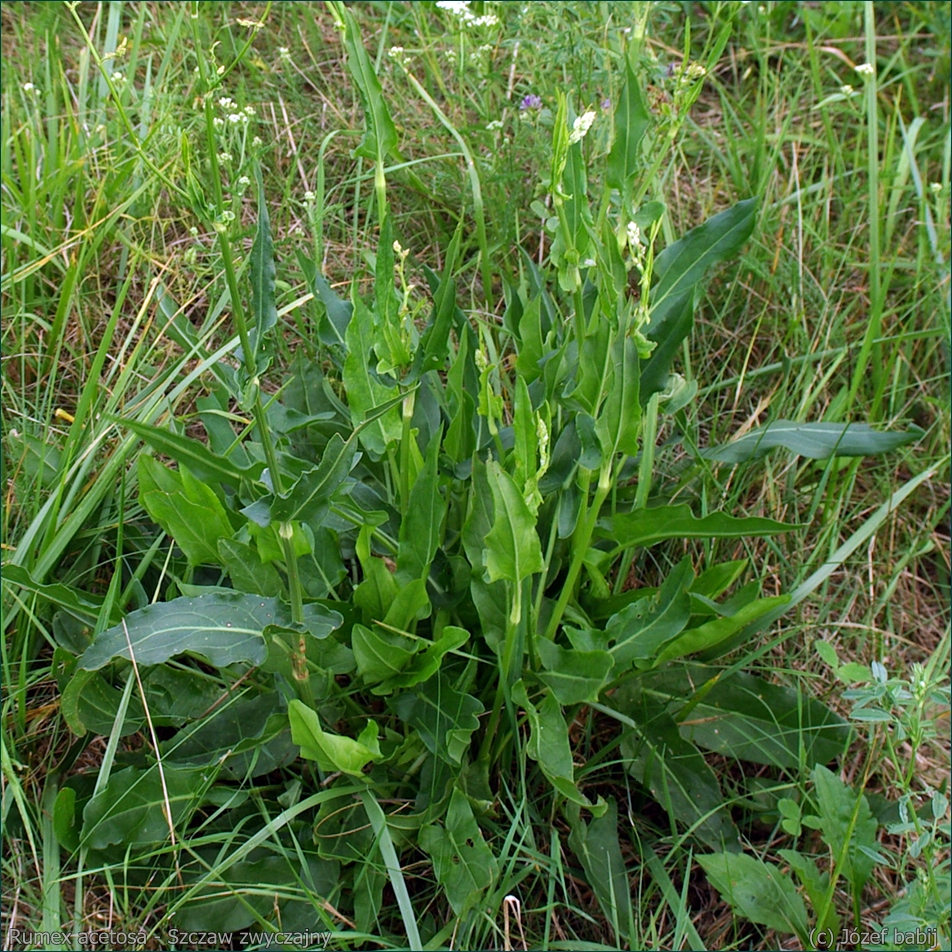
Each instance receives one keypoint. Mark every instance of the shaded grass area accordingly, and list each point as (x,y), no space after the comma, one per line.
(114,304)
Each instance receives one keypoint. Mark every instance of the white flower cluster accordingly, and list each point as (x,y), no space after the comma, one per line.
(233,114)
(866,69)
(581,126)
(461,9)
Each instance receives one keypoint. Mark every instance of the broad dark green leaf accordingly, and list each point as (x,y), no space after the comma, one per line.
(815,440)
(640,630)
(364,391)
(513,551)
(463,862)
(644,527)
(131,809)
(420,529)
(531,341)
(332,751)
(673,769)
(78,603)
(759,891)
(745,717)
(222,629)
(631,123)
(248,892)
(683,264)
(445,718)
(549,746)
(246,570)
(264,314)
(596,846)
(575,677)
(426,662)
(718,630)
(200,460)
(310,498)
(848,826)
(619,421)
(433,349)
(380,654)
(337,311)
(89,704)
(248,737)
(188,510)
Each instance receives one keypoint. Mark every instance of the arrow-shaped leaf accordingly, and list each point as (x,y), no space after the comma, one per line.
(222,629)
(815,440)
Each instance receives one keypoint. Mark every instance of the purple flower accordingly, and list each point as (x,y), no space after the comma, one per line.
(530,102)
(606,104)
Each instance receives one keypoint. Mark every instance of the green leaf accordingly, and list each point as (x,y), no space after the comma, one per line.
(682,265)
(815,440)
(131,809)
(444,717)
(264,314)
(640,630)
(246,570)
(78,603)
(380,139)
(631,123)
(549,746)
(718,630)
(673,769)
(847,824)
(309,499)
(619,421)
(380,654)
(337,312)
(644,527)
(332,751)
(222,629)
(364,391)
(247,736)
(513,551)
(596,846)
(742,716)
(531,342)
(89,704)
(463,862)
(815,884)
(424,664)
(420,529)
(575,677)
(759,891)
(188,510)
(433,349)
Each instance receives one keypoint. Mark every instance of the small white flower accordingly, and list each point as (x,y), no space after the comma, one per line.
(847,90)
(225,102)
(309,196)
(193,231)
(244,181)
(283,52)
(221,70)
(235,117)
(634,235)
(117,77)
(866,69)
(495,124)
(397,247)
(249,110)
(395,51)
(581,126)
(218,122)
(256,141)
(695,71)
(224,157)
(454,6)
(487,19)
(935,187)
(29,88)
